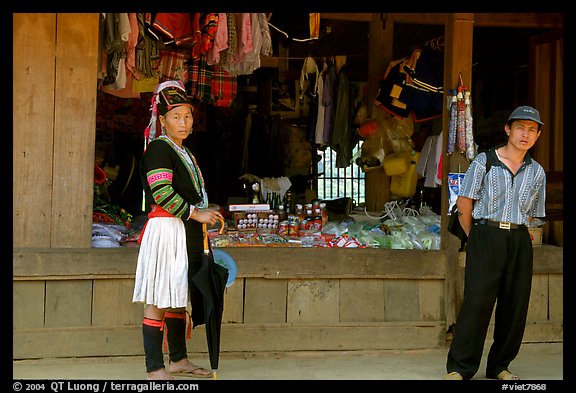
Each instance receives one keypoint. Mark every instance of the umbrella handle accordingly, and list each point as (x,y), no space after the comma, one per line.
(205,231)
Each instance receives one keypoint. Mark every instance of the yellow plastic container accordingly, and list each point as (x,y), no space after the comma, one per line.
(396,163)
(404,185)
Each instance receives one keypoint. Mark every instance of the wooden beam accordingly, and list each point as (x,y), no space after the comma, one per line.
(357,17)
(526,20)
(529,20)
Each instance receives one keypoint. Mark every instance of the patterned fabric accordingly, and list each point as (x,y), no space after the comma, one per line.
(200,77)
(227,54)
(266,49)
(502,196)
(150,131)
(173,65)
(160,182)
(175,26)
(163,172)
(191,166)
(205,35)
(220,40)
(223,87)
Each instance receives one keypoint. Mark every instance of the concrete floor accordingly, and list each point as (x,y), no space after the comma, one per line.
(536,362)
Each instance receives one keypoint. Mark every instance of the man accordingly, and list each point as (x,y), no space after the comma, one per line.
(494,210)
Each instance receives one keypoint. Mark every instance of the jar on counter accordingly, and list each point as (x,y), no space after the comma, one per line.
(324,214)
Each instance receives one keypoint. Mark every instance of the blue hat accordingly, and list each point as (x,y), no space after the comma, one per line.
(526,113)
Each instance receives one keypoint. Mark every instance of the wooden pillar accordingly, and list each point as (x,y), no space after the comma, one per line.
(379,55)
(74,129)
(55,75)
(457,61)
(33,127)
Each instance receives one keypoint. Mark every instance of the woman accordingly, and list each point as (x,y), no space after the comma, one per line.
(171,242)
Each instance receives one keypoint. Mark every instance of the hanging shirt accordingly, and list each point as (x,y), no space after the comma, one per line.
(328,101)
(319,132)
(175,26)
(427,166)
(341,138)
(220,40)
(502,195)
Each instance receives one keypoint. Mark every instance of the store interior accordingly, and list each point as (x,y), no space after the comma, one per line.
(499,83)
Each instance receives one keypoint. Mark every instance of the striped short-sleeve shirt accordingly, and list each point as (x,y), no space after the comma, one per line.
(501,195)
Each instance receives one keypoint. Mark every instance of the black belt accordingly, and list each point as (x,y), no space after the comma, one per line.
(501,225)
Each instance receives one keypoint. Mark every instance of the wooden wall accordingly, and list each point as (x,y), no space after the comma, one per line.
(55,70)
(72,303)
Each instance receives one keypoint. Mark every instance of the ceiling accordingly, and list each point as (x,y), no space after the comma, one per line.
(492,45)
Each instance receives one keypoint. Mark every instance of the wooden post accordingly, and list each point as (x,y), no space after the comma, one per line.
(379,55)
(33,126)
(75,83)
(457,61)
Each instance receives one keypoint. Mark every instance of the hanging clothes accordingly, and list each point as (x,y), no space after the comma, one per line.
(147,54)
(223,87)
(452,121)
(341,140)
(413,86)
(308,76)
(116,33)
(259,46)
(320,115)
(328,100)
(470,147)
(220,40)
(204,33)
(242,32)
(177,27)
(173,65)
(427,166)
(200,78)
(309,92)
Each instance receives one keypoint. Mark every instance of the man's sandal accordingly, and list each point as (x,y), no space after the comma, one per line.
(455,375)
(507,376)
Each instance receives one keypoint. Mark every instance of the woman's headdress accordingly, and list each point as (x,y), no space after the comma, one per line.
(167,95)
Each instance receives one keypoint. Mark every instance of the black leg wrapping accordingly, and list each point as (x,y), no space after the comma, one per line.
(153,347)
(176,338)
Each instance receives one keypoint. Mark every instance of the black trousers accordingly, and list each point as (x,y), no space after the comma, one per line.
(498,271)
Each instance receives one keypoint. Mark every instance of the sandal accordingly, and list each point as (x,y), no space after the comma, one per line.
(455,375)
(198,372)
(507,376)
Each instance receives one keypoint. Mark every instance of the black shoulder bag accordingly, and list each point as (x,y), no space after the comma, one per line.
(454,226)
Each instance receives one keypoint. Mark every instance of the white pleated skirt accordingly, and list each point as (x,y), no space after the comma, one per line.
(162,269)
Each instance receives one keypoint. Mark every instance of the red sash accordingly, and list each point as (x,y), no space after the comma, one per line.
(157,211)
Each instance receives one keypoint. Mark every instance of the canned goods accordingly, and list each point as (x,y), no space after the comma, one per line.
(283,228)
(293,229)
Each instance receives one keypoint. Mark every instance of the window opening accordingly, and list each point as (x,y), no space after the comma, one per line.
(340,182)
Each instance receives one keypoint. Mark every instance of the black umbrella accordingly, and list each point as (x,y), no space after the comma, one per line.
(211,282)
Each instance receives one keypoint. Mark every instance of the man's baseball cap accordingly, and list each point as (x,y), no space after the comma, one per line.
(526,113)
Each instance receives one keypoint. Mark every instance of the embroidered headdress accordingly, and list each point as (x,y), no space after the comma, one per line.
(167,95)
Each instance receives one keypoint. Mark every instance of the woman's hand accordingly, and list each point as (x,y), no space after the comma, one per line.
(207,216)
